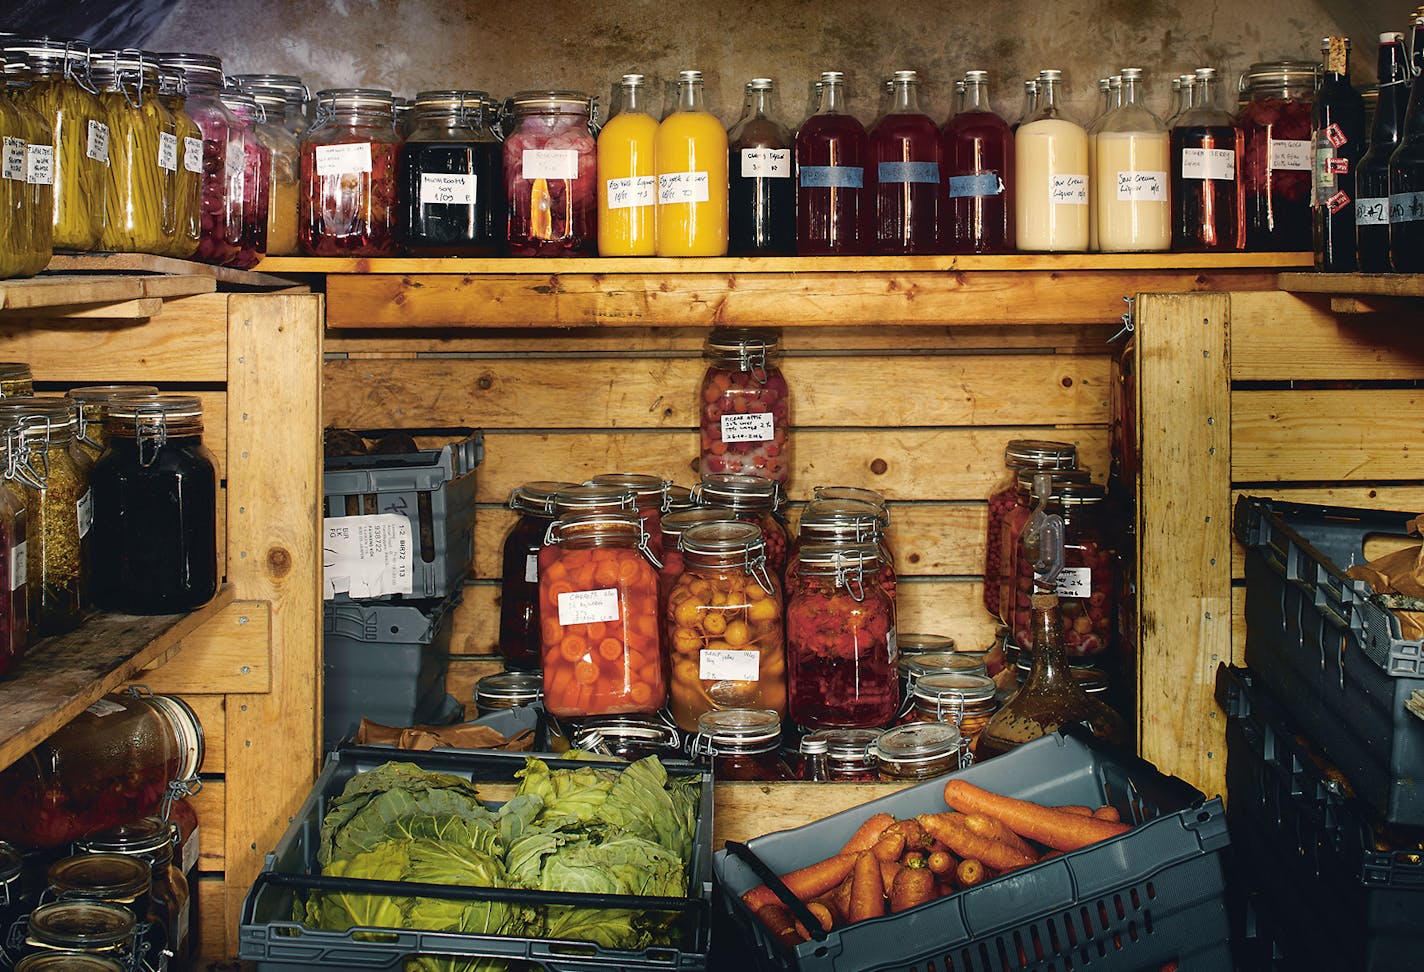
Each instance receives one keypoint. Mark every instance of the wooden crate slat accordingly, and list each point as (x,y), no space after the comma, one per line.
(229,654)
(211,711)
(1367,284)
(211,805)
(1275,337)
(1326,436)
(747,810)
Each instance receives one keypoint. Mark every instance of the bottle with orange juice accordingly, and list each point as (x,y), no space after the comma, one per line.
(691,150)
(628,177)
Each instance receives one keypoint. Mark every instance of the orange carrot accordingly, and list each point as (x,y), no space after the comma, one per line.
(807,883)
(889,847)
(915,836)
(940,862)
(994,828)
(912,859)
(821,913)
(888,870)
(1061,831)
(1108,813)
(865,836)
(840,899)
(965,843)
(913,886)
(867,889)
(1075,809)
(969,873)
(778,921)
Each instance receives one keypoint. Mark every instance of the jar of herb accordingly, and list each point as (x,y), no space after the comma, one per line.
(16,379)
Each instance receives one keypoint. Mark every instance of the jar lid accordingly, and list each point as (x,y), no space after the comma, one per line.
(1060,476)
(101,877)
(825,557)
(453,100)
(629,736)
(927,663)
(957,688)
(739,730)
(847,745)
(242,101)
(37,414)
(678,499)
(609,525)
(1040,454)
(674,525)
(917,742)
(917,643)
(553,99)
(273,102)
(371,99)
(1265,74)
(720,538)
(84,923)
(739,492)
(187,729)
(854,494)
(146,835)
(505,690)
(646,490)
(835,517)
(583,499)
(106,393)
(34,51)
(537,497)
(65,960)
(201,67)
(1080,494)
(15,370)
(107,66)
(158,407)
(734,342)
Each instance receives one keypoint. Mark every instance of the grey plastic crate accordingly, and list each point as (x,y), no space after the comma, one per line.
(1321,644)
(433,488)
(1142,900)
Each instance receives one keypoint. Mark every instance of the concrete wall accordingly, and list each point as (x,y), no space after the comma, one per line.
(504,46)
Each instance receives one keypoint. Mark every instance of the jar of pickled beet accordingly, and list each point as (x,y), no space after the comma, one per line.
(95,930)
(508,690)
(223,155)
(519,584)
(746,406)
(1019,455)
(919,751)
(1034,488)
(742,745)
(753,500)
(724,629)
(253,184)
(965,701)
(649,496)
(551,174)
(598,610)
(629,737)
(348,204)
(1276,102)
(849,753)
(673,526)
(840,643)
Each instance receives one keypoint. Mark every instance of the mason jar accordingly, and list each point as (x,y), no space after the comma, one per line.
(91,403)
(451,178)
(253,182)
(188,203)
(142,196)
(551,174)
(746,406)
(96,930)
(224,155)
(966,701)
(742,745)
(649,495)
(519,582)
(918,751)
(348,204)
(629,737)
(115,879)
(152,840)
(508,690)
(1019,455)
(752,499)
(849,754)
(672,527)
(1277,155)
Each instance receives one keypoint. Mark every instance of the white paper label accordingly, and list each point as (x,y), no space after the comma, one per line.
(1068,190)
(732,666)
(190,851)
(167,152)
(550,164)
(588,607)
(40,165)
(367,556)
(1073,582)
(19,564)
(1372,212)
(531,569)
(336,160)
(1289,154)
(632,192)
(1209,164)
(682,187)
(104,707)
(748,427)
(97,147)
(452,189)
(13,164)
(181,925)
(84,510)
(192,153)
(1142,186)
(766,163)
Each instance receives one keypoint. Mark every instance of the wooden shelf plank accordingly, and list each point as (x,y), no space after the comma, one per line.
(60,677)
(1355,284)
(33,293)
(131,263)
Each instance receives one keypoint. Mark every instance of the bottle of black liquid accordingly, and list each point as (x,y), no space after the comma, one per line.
(451,178)
(1337,125)
(1206,190)
(761,195)
(1372,176)
(1406,178)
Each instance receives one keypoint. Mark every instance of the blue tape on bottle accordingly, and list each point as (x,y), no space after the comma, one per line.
(909,172)
(833,176)
(981,184)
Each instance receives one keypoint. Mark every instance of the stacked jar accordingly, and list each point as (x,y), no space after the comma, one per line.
(152,841)
(673,526)
(649,496)
(91,403)
(1019,455)
(551,174)
(849,754)
(753,500)
(742,745)
(143,154)
(80,936)
(224,155)
(348,204)
(121,881)
(745,406)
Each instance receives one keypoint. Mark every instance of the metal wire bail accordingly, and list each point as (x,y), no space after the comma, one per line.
(151,430)
(851,577)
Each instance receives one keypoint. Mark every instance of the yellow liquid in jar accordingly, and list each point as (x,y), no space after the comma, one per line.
(692,185)
(627,186)
(1051,172)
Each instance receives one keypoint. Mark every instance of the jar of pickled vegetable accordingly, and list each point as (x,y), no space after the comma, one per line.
(116,879)
(282,181)
(253,183)
(678,498)
(508,690)
(551,175)
(1276,102)
(15,379)
(15,247)
(451,178)
(152,840)
(849,754)
(143,154)
(673,526)
(629,737)
(224,155)
(91,403)
(14,611)
(840,640)
(97,931)
(348,204)
(724,625)
(746,406)
(30,212)
(649,496)
(519,583)
(753,500)
(742,745)
(598,603)
(1019,455)
(919,751)
(1034,488)
(188,180)
(966,701)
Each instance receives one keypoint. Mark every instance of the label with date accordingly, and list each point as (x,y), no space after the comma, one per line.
(632,192)
(748,427)
(1068,190)
(729,666)
(683,187)
(39,165)
(96,146)
(12,166)
(167,152)
(766,163)
(588,607)
(1201,163)
(447,189)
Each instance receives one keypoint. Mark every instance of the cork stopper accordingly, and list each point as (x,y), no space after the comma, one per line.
(1337,61)
(1043,602)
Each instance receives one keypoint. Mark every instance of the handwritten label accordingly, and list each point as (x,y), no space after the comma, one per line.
(731,666)
(1290,154)
(549,164)
(979,184)
(367,556)
(84,513)
(1372,212)
(1073,582)
(104,707)
(97,144)
(1406,207)
(447,189)
(39,164)
(167,152)
(1209,164)
(683,187)
(588,607)
(766,163)
(632,192)
(1142,187)
(531,569)
(192,154)
(832,177)
(13,164)
(908,172)
(338,160)
(1067,190)
(748,427)
(19,564)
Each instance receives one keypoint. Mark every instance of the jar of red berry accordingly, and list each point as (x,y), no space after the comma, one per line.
(840,639)
(551,174)
(1033,490)
(753,500)
(1276,102)
(222,155)
(746,406)
(519,584)
(1019,455)
(348,205)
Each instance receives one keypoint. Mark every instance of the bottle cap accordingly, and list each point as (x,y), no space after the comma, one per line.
(1391,37)
(906,76)
(632,79)
(1049,74)
(976,75)
(689,75)
(832,77)
(1204,73)
(1130,73)
(760,84)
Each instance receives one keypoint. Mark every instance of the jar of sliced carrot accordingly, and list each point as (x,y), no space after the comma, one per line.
(598,609)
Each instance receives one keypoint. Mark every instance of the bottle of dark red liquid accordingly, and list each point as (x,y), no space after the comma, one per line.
(904,146)
(1372,174)
(1338,136)
(761,197)
(1406,175)
(1206,205)
(833,208)
(977,171)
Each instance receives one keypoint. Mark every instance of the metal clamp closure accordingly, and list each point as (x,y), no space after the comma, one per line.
(754,359)
(150,434)
(755,565)
(177,790)
(851,577)
(23,458)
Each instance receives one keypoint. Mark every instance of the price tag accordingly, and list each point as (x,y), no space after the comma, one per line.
(531,569)
(632,192)
(550,164)
(1209,164)
(167,152)
(1372,212)
(906,172)
(766,163)
(19,564)
(730,666)
(337,160)
(1072,582)
(1068,190)
(12,165)
(84,512)
(1142,187)
(367,556)
(979,184)
(748,427)
(97,144)
(1406,207)
(40,165)
(441,189)
(1289,154)
(190,851)
(1335,135)
(104,707)
(832,177)
(192,154)
(682,187)
(588,607)
(1338,166)
(1338,201)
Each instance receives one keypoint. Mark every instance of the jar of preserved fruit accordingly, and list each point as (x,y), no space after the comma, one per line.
(551,174)
(678,498)
(598,603)
(742,745)
(96,930)
(1019,454)
(746,407)
(348,204)
(724,625)
(839,637)
(966,701)
(919,751)
(849,754)
(629,737)
(1276,102)
(649,496)
(143,154)
(451,178)
(91,402)
(224,155)
(673,526)
(508,690)
(282,182)
(15,379)
(519,584)
(115,879)
(1031,493)
(253,184)
(753,500)
(152,840)
(154,541)
(188,206)
(846,521)
(594,499)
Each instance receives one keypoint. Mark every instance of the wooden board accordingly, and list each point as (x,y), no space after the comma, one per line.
(1275,337)
(148,263)
(212,929)
(210,803)
(1366,284)
(747,810)
(140,309)
(1361,436)
(228,654)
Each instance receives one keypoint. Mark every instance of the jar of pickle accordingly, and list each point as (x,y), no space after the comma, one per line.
(724,625)
(66,960)
(598,603)
(753,500)
(1019,455)
(451,178)
(551,174)
(839,639)
(673,526)
(29,139)
(253,182)
(629,737)
(98,931)
(919,751)
(849,754)
(1035,487)
(14,610)
(282,180)
(1276,102)
(594,499)
(746,406)
(143,154)
(188,205)
(224,155)
(649,496)
(91,402)
(77,164)
(966,701)
(116,879)
(154,541)
(152,840)
(508,690)
(742,745)
(16,381)
(348,204)
(519,584)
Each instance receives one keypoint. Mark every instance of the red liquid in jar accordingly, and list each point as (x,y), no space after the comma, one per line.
(351,214)
(1277,201)
(834,219)
(256,192)
(1206,213)
(977,157)
(839,668)
(220,214)
(548,216)
(519,630)
(904,152)
(726,392)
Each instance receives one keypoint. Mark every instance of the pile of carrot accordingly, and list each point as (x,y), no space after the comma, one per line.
(891,865)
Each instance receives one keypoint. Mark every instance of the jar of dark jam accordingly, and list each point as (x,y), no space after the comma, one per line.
(519,584)
(152,840)
(742,745)
(93,929)
(92,401)
(154,541)
(452,197)
(116,879)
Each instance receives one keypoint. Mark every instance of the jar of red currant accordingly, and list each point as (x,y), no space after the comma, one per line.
(840,639)
(753,500)
(746,406)
(1276,159)
(649,496)
(1034,487)
(519,583)
(551,174)
(849,753)
(1019,455)
(348,205)
(742,745)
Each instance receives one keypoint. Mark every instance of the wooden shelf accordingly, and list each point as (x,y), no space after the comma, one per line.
(62,676)
(1355,284)
(148,263)
(44,295)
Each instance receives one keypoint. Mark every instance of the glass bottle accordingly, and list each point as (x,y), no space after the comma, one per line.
(451,178)
(253,185)
(519,585)
(1406,174)
(649,496)
(188,207)
(691,154)
(1112,98)
(850,755)
(91,403)
(1019,455)
(1175,108)
(1337,125)
(724,628)
(348,204)
(152,840)
(1051,176)
(745,406)
(224,154)
(1050,698)
(1372,174)
(143,153)
(1132,156)
(1275,155)
(1188,96)
(97,931)
(833,210)
(284,181)
(753,500)
(628,176)
(919,751)
(904,147)
(813,760)
(965,700)
(508,690)
(1030,104)
(551,175)
(761,197)
(1206,192)
(672,527)
(977,151)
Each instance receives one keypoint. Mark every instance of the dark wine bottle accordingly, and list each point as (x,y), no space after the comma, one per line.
(761,194)
(1337,125)
(1372,175)
(1406,179)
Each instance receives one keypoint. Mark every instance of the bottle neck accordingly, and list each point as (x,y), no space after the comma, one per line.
(633,99)
(689,96)
(832,98)
(905,98)
(1047,100)
(1393,90)
(1204,93)
(1050,663)
(1416,47)
(1129,91)
(976,96)
(760,103)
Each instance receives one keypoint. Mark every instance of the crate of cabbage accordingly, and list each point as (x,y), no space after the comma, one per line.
(447,861)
